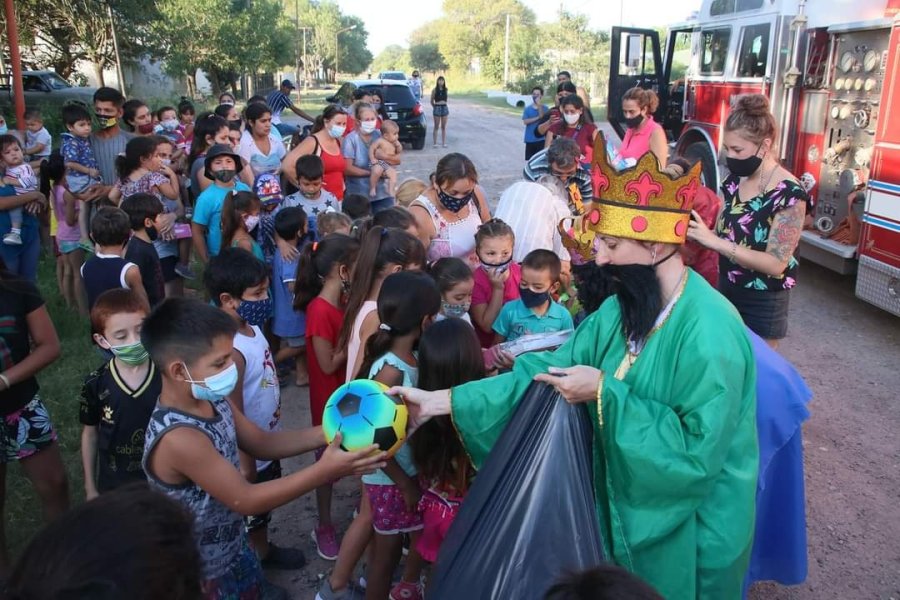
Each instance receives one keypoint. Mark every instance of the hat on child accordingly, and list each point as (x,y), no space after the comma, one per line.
(221,150)
(267,187)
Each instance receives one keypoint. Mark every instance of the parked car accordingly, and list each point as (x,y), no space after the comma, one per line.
(399,103)
(44,88)
(398,75)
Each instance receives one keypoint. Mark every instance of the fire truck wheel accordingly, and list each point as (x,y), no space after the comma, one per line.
(700,151)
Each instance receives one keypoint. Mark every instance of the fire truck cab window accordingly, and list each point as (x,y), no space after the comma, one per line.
(714,51)
(754,51)
(727,7)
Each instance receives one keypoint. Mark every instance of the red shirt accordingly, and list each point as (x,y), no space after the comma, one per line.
(481,294)
(704,261)
(323,320)
(583,136)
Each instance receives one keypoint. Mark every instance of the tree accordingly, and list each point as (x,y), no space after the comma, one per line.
(392,58)
(355,56)
(427,57)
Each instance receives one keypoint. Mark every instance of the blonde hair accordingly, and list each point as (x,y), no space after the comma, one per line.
(389,126)
(409,190)
(330,222)
(751,117)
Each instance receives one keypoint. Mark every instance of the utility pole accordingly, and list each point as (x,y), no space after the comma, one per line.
(337,53)
(112,28)
(296,47)
(305,59)
(506,54)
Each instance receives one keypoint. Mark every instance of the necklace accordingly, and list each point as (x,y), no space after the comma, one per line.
(633,349)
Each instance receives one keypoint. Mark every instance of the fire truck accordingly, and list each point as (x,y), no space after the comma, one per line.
(831,70)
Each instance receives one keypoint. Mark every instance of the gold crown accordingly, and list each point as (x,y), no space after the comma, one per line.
(642,202)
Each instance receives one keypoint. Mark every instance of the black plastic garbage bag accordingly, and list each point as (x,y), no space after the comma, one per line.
(530,514)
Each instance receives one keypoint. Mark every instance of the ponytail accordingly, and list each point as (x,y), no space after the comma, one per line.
(316,263)
(406,299)
(380,248)
(331,111)
(53,169)
(136,149)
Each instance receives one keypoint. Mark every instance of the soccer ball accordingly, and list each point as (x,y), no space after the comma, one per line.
(365,415)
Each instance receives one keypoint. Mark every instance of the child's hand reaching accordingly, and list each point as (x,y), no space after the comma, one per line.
(10,180)
(339,463)
(94,173)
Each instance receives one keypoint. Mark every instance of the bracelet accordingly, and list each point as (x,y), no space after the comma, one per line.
(600,400)
(733,254)
(5,381)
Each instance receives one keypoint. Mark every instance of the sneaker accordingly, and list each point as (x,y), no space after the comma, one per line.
(325,540)
(185,271)
(406,591)
(286,559)
(12,239)
(271,591)
(348,593)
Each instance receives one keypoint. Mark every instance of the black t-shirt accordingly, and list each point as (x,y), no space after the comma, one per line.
(17,299)
(144,255)
(121,415)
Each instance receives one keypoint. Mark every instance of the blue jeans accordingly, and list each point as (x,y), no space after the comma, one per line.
(23,260)
(381,204)
(285,129)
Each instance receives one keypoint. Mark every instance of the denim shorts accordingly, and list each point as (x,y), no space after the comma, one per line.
(441,110)
(67,247)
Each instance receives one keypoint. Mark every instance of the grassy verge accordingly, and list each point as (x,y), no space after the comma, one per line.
(60,388)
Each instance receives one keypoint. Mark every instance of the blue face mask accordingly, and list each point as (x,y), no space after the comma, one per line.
(4,129)
(255,312)
(215,386)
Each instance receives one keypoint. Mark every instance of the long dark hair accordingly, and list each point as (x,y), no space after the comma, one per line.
(330,112)
(235,203)
(53,169)
(317,261)
(380,248)
(206,124)
(405,300)
(136,149)
(449,355)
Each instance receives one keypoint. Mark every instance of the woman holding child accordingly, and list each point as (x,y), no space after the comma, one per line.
(325,142)
(356,154)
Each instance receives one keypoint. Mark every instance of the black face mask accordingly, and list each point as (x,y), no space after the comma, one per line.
(224,175)
(236,122)
(532,299)
(152,233)
(452,203)
(634,122)
(744,167)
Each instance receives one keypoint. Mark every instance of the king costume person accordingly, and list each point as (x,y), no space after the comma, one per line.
(675,454)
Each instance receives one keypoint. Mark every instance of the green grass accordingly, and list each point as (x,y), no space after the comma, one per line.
(60,388)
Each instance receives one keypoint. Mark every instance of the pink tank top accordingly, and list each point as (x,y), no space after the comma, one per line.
(636,143)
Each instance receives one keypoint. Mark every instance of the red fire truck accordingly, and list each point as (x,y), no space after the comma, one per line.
(831,69)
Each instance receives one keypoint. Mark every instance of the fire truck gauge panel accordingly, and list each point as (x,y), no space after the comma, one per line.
(835,112)
(839,83)
(845,111)
(847,61)
(870,61)
(870,84)
(858,84)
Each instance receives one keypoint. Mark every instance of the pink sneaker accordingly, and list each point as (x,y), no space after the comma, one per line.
(325,540)
(406,591)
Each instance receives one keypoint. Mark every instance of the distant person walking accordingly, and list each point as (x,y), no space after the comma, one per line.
(441,111)
(532,116)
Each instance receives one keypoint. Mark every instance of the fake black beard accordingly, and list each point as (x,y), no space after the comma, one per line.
(640,297)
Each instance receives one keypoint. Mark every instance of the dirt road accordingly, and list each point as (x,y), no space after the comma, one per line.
(848,351)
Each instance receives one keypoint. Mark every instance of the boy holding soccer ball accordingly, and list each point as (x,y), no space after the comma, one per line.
(193,438)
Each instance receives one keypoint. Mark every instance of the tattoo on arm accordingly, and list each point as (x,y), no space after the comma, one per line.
(785,233)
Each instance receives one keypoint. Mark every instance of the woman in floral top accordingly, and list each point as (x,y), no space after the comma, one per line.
(759,228)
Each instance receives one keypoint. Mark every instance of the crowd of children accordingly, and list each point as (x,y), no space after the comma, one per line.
(189,393)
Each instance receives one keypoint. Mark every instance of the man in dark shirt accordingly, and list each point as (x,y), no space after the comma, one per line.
(142,211)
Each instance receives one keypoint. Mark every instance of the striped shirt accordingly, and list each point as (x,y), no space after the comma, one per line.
(539,166)
(105,152)
(278,101)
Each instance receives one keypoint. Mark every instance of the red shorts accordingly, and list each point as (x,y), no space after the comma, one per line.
(389,513)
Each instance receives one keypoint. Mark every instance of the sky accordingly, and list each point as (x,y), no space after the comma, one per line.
(388,26)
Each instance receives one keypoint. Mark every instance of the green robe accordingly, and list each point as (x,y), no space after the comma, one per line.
(676,457)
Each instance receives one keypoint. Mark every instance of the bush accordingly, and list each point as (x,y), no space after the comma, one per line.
(544,79)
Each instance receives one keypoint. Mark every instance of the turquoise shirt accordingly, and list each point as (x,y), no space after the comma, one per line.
(404,454)
(208,212)
(515,320)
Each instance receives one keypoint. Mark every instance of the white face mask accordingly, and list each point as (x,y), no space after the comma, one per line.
(367,126)
(572,119)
